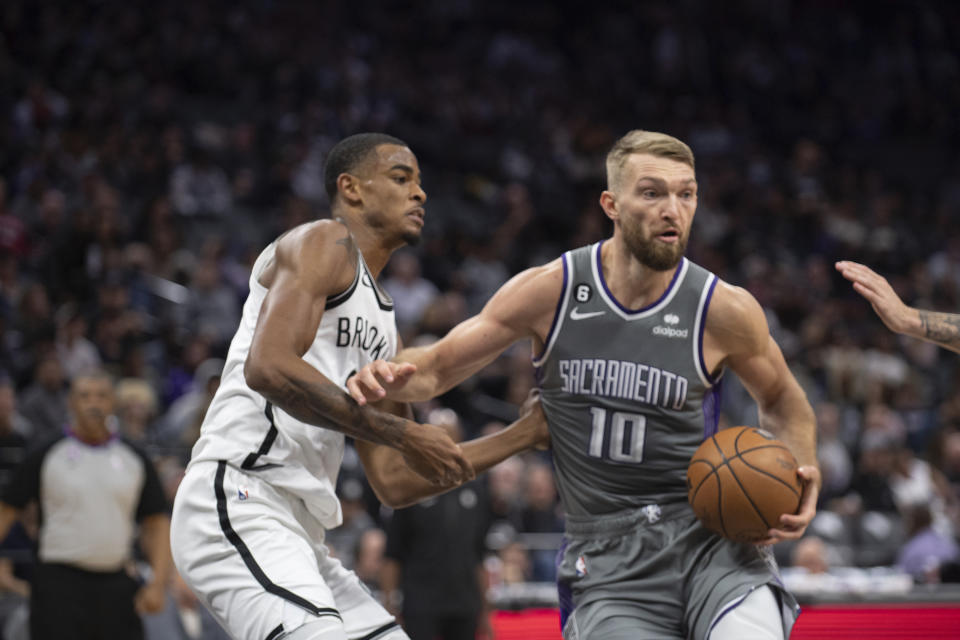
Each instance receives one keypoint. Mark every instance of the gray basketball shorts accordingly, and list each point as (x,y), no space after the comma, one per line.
(655,572)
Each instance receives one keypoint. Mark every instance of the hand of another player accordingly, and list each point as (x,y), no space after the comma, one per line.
(792,527)
(885,302)
(151,598)
(373,381)
(429,451)
(533,418)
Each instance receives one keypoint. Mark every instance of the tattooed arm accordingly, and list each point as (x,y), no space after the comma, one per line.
(311,263)
(933,326)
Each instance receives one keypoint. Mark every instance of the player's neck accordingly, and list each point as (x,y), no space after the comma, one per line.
(376,251)
(633,284)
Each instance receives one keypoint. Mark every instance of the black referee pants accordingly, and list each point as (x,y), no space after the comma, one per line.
(427,626)
(73,604)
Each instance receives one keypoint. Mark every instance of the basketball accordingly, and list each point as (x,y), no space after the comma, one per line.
(740,481)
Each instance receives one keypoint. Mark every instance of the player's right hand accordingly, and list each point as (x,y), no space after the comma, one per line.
(373,381)
(431,452)
(877,290)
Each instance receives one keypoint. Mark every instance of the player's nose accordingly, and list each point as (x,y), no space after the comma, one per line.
(671,208)
(419,194)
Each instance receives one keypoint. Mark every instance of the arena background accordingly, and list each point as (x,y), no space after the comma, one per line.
(148,151)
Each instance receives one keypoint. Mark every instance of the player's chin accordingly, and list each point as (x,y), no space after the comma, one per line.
(411,238)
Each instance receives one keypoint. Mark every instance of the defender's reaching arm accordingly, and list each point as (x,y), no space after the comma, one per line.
(398,487)
(933,326)
(522,308)
(311,263)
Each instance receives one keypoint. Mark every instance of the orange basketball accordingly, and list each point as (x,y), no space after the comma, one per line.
(740,481)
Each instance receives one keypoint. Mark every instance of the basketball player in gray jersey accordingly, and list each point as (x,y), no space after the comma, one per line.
(630,341)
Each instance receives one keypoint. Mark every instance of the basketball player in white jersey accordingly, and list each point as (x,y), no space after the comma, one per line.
(250,514)
(630,340)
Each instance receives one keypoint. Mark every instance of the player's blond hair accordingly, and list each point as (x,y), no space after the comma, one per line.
(656,144)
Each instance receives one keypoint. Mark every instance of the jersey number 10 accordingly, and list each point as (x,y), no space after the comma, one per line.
(623,435)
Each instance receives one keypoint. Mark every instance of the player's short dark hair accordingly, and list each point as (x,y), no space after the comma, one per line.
(350,152)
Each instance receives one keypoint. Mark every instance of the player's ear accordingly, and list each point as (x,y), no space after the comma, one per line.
(348,186)
(608,200)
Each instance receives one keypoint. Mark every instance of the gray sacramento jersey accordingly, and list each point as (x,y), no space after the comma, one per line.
(626,393)
(241,427)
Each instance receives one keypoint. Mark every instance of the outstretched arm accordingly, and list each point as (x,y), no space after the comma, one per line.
(933,326)
(522,308)
(737,335)
(397,487)
(311,263)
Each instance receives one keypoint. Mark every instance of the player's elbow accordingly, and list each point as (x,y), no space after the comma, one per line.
(260,376)
(389,498)
(397,495)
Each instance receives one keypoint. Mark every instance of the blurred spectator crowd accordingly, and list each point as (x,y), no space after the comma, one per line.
(149,150)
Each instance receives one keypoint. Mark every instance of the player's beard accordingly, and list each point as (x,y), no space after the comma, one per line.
(652,253)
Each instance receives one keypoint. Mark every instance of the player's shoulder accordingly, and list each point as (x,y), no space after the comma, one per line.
(322,250)
(543,281)
(318,234)
(545,275)
(735,317)
(531,294)
(320,241)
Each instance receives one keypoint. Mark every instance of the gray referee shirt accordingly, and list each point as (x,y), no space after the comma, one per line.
(91,498)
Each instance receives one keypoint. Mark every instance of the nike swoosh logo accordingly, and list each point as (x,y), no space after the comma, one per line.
(576,315)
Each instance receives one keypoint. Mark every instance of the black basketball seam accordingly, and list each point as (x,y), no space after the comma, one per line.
(770,475)
(745,493)
(736,445)
(764,446)
(713,470)
(743,489)
(723,525)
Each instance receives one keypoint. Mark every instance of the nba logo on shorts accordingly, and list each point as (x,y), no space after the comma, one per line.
(581,566)
(242,493)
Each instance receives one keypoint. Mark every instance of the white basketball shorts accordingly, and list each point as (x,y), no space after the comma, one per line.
(255,557)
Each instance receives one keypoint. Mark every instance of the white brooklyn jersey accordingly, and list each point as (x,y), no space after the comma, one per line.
(248,432)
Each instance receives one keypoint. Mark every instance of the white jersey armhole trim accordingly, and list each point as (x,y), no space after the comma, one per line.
(538,361)
(698,328)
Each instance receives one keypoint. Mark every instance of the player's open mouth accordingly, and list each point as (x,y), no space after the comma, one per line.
(417,214)
(671,235)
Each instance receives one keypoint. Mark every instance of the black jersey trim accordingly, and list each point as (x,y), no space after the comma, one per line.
(376,633)
(250,462)
(248,558)
(384,301)
(343,296)
(276,633)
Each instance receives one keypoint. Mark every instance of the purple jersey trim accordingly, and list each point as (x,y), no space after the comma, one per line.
(711,409)
(703,325)
(603,283)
